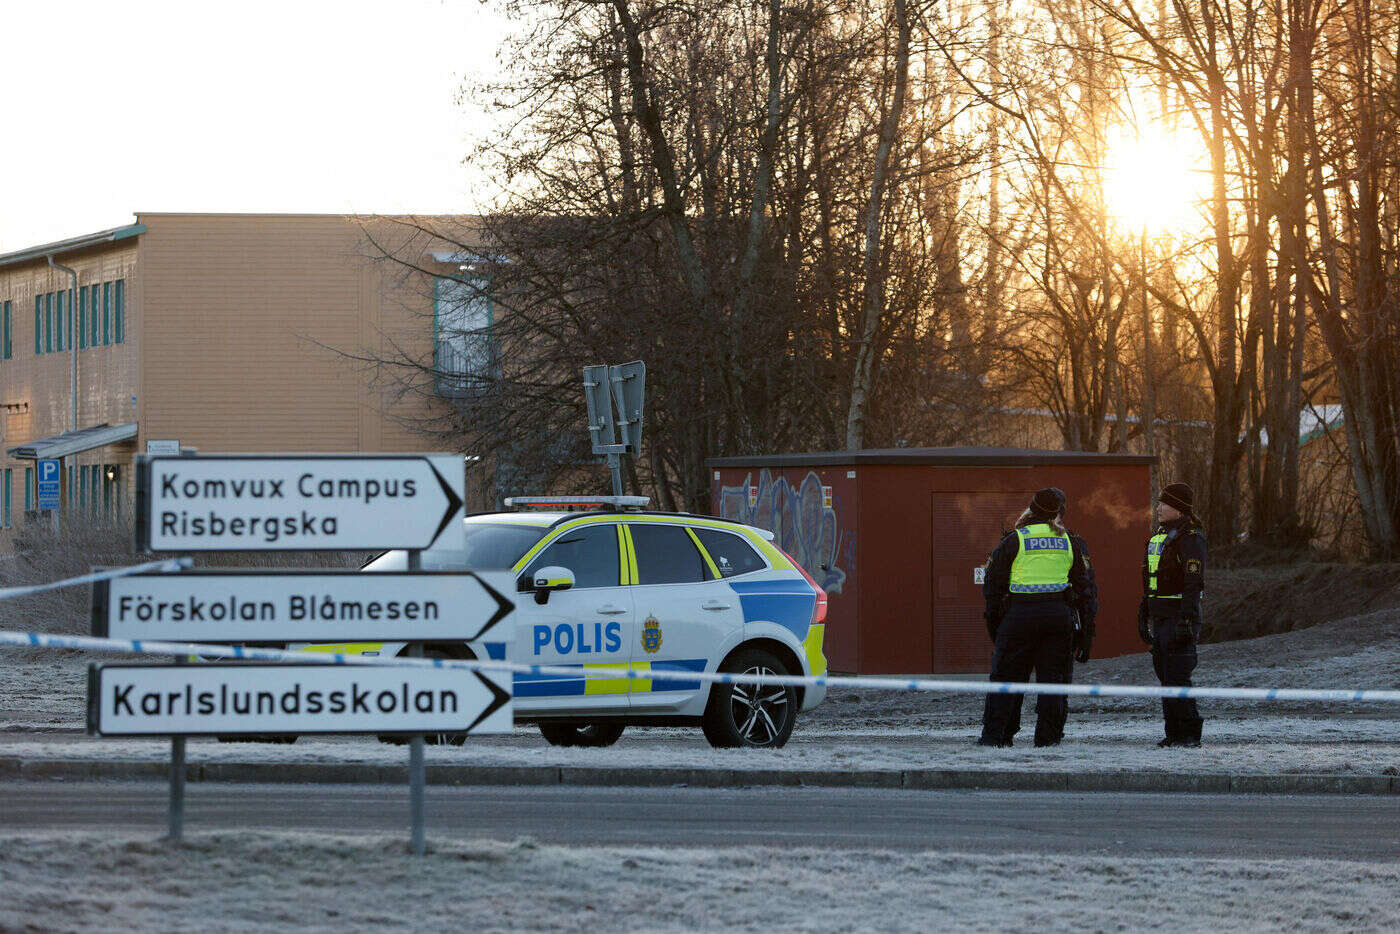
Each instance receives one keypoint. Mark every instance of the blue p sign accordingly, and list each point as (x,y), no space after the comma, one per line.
(48,484)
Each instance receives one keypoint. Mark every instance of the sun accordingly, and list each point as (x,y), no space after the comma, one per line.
(1155,181)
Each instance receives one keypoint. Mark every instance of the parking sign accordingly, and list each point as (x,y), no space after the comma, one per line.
(48,484)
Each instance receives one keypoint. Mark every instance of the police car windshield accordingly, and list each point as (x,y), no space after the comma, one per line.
(495,547)
(490,547)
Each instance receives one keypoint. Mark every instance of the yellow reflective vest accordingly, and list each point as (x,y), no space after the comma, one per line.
(1155,546)
(1043,560)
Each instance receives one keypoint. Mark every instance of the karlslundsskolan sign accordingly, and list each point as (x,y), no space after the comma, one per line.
(301,606)
(318,502)
(253,699)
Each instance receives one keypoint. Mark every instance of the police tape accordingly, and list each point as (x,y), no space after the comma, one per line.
(167,564)
(250,653)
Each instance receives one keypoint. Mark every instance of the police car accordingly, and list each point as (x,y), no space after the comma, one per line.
(607,586)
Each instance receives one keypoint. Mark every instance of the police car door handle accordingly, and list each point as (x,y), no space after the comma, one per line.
(714,605)
(610,610)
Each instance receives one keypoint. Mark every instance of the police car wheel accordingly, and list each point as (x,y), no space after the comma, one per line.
(747,714)
(581,734)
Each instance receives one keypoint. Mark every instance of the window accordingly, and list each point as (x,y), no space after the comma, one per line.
(7,349)
(48,322)
(28,489)
(94,298)
(590,552)
(497,546)
(730,553)
(38,324)
(666,555)
(82,318)
(6,481)
(106,312)
(464,352)
(119,311)
(58,316)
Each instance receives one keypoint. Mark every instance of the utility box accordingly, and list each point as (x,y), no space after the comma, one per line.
(898,539)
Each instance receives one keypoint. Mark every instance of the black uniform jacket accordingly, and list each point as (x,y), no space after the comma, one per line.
(1181,570)
(996,585)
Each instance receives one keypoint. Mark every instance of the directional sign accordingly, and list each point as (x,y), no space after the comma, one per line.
(195,700)
(298,606)
(48,486)
(252,502)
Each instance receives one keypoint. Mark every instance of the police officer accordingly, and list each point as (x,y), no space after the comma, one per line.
(1169,617)
(1037,581)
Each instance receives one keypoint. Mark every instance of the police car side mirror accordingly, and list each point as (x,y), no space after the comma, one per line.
(545,581)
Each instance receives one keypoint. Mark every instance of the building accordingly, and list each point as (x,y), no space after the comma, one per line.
(224,333)
(898,539)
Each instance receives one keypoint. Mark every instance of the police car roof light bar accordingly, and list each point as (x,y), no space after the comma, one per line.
(579,503)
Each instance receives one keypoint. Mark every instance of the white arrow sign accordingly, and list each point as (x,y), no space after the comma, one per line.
(325,502)
(194,700)
(301,606)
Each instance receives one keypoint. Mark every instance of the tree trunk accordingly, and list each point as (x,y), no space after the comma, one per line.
(873,299)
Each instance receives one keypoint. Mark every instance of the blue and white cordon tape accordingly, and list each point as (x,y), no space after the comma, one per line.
(142,647)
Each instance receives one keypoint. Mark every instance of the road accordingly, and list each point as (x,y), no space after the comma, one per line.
(1284,826)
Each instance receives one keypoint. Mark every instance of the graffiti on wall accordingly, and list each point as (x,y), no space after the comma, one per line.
(804,521)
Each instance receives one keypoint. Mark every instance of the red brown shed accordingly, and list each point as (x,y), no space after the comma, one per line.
(898,537)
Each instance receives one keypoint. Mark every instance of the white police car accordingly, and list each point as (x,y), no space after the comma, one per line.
(616,587)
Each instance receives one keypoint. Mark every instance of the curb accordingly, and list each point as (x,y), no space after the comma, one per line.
(13,768)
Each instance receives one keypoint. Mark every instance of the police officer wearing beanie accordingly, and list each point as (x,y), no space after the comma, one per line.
(1169,617)
(1038,580)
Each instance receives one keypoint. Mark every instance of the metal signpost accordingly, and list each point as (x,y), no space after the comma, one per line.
(252,699)
(614,435)
(310,503)
(300,502)
(303,606)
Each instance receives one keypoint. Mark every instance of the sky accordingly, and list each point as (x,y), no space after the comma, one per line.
(298,106)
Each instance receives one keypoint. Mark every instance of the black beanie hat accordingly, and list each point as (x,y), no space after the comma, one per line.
(1048,503)
(1178,496)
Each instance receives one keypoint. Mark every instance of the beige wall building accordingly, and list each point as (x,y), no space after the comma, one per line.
(225,333)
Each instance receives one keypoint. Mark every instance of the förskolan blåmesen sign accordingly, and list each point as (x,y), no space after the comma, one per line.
(327,502)
(304,606)
(195,700)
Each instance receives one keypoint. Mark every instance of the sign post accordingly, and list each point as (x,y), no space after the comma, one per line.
(49,487)
(614,435)
(294,503)
(307,503)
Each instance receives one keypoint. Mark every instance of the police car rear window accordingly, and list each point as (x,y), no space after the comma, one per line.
(730,553)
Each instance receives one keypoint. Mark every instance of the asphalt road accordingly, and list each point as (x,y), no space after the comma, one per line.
(1280,827)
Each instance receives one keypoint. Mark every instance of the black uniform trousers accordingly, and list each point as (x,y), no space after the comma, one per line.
(1174,659)
(1032,636)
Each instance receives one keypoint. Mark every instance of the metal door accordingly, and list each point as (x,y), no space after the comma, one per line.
(967,525)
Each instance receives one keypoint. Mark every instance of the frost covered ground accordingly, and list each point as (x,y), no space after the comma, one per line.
(252,881)
(871,729)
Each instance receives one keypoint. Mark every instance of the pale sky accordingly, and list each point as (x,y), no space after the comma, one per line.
(282,107)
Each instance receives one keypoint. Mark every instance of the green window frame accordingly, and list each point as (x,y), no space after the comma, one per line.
(82,319)
(119,311)
(38,324)
(60,312)
(6,482)
(28,489)
(8,348)
(106,313)
(48,322)
(93,300)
